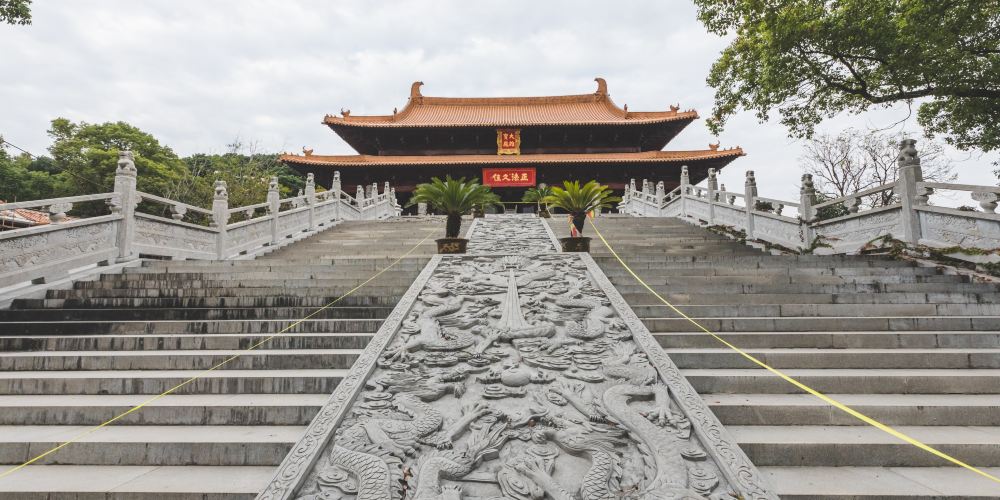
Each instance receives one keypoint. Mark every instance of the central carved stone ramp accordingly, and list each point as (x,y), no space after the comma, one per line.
(910,346)
(81,356)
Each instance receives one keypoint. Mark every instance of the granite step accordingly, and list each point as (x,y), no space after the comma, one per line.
(192,326)
(782,358)
(890,409)
(142,444)
(846,380)
(880,483)
(196,313)
(826,324)
(834,340)
(132,482)
(153,382)
(201,359)
(183,341)
(174,409)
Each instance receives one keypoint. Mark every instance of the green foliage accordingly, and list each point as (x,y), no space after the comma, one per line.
(15,11)
(829,211)
(88,156)
(536,194)
(22,178)
(85,156)
(454,198)
(812,59)
(763,206)
(577,199)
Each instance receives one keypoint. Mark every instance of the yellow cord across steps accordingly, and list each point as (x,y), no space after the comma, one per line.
(213,368)
(827,399)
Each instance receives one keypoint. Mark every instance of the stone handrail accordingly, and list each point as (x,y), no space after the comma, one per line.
(967,235)
(50,252)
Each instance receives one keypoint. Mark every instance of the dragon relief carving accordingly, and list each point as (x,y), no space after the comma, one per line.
(514,377)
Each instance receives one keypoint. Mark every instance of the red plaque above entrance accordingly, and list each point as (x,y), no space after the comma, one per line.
(509,177)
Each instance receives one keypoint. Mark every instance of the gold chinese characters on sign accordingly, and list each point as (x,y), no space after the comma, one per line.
(508,141)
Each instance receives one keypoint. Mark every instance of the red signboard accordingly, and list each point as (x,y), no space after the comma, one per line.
(504,177)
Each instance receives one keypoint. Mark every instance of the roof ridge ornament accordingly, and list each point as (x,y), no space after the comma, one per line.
(602,86)
(415,89)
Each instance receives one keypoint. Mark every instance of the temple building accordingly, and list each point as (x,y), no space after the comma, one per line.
(511,143)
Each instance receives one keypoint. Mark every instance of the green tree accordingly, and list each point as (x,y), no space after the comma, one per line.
(812,59)
(580,200)
(15,11)
(455,198)
(22,180)
(88,156)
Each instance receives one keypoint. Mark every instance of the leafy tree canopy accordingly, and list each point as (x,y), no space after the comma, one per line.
(15,11)
(812,59)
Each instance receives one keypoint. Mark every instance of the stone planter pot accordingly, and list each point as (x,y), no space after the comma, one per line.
(577,244)
(452,245)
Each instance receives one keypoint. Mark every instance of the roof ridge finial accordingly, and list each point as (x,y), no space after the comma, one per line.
(415,89)
(602,86)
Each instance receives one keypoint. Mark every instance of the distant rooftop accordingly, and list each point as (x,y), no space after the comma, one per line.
(584,109)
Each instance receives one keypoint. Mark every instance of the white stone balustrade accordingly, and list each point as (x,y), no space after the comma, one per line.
(45,253)
(910,219)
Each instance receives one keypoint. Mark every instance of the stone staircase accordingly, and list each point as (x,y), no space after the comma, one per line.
(910,346)
(81,356)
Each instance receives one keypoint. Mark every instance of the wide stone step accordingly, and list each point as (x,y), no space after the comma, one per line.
(275,281)
(270,359)
(152,382)
(643,297)
(880,483)
(132,482)
(855,288)
(285,300)
(722,357)
(195,313)
(270,292)
(193,326)
(777,271)
(788,279)
(181,341)
(291,273)
(822,310)
(890,409)
(846,380)
(852,446)
(150,444)
(826,324)
(640,261)
(173,409)
(835,340)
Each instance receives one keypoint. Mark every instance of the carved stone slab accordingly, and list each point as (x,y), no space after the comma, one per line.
(509,234)
(515,376)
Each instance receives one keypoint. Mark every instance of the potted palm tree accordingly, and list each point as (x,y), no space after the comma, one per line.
(579,201)
(454,198)
(536,195)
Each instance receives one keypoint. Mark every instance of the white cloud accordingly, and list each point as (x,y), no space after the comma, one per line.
(198,74)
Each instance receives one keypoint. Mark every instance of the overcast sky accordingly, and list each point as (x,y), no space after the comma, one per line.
(197,74)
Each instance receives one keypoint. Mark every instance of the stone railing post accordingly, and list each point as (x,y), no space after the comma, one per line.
(909,175)
(359,196)
(220,217)
(661,193)
(750,197)
(125,179)
(685,187)
(273,207)
(311,199)
(807,214)
(713,186)
(335,185)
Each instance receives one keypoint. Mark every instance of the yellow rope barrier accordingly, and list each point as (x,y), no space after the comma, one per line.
(213,368)
(837,404)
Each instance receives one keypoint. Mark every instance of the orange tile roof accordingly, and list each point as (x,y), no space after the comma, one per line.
(642,157)
(584,109)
